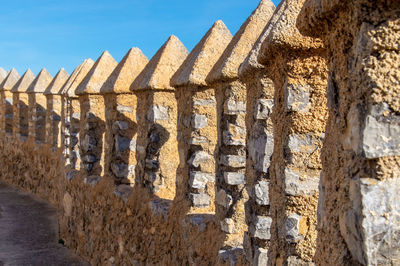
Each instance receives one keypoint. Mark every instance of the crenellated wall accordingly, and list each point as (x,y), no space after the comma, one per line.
(276,146)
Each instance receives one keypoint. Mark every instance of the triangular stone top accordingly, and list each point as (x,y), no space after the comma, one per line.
(285,32)
(158,72)
(57,83)
(24,82)
(125,73)
(71,85)
(251,61)
(40,83)
(201,60)
(10,80)
(3,74)
(98,75)
(227,66)
(71,78)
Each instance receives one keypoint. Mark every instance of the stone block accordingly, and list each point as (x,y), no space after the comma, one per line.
(234,135)
(228,226)
(222,198)
(297,97)
(151,176)
(122,170)
(292,228)
(204,102)
(90,158)
(198,140)
(371,227)
(200,200)
(152,164)
(157,112)
(120,125)
(76,116)
(296,186)
(199,158)
(232,107)
(123,144)
(123,192)
(89,143)
(160,207)
(199,180)
(261,257)
(70,175)
(232,178)
(261,227)
(199,121)
(261,193)
(92,180)
(124,109)
(235,161)
(264,109)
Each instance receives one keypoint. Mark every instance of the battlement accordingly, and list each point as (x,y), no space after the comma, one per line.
(278,145)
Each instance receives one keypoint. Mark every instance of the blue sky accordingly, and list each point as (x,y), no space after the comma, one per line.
(55,34)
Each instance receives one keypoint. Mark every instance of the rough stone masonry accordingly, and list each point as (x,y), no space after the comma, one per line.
(278,145)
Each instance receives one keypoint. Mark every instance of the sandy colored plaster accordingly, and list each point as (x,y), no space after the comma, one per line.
(158,72)
(203,57)
(126,72)
(57,83)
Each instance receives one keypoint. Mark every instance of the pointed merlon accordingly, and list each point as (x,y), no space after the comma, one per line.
(202,59)
(3,74)
(251,62)
(84,69)
(126,72)
(10,80)
(56,84)
(41,82)
(227,66)
(24,82)
(158,72)
(98,75)
(71,78)
(285,34)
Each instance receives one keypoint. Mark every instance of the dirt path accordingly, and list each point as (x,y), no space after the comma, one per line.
(29,232)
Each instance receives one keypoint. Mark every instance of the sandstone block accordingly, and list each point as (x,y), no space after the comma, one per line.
(228,225)
(199,180)
(296,186)
(264,109)
(222,198)
(260,257)
(261,193)
(261,227)
(200,200)
(235,161)
(199,121)
(297,97)
(199,158)
(124,109)
(232,107)
(158,112)
(292,228)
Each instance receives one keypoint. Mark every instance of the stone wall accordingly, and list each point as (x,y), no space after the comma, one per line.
(275,146)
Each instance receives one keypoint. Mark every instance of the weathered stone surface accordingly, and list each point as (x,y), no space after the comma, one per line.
(198,158)
(261,193)
(228,225)
(125,73)
(227,66)
(199,180)
(57,83)
(24,82)
(303,143)
(203,57)
(122,170)
(199,121)
(198,140)
(235,161)
(158,72)
(264,109)
(89,143)
(296,186)
(90,158)
(10,80)
(120,125)
(371,227)
(97,76)
(70,175)
(200,200)
(203,102)
(40,83)
(158,112)
(292,228)
(232,178)
(261,227)
(160,207)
